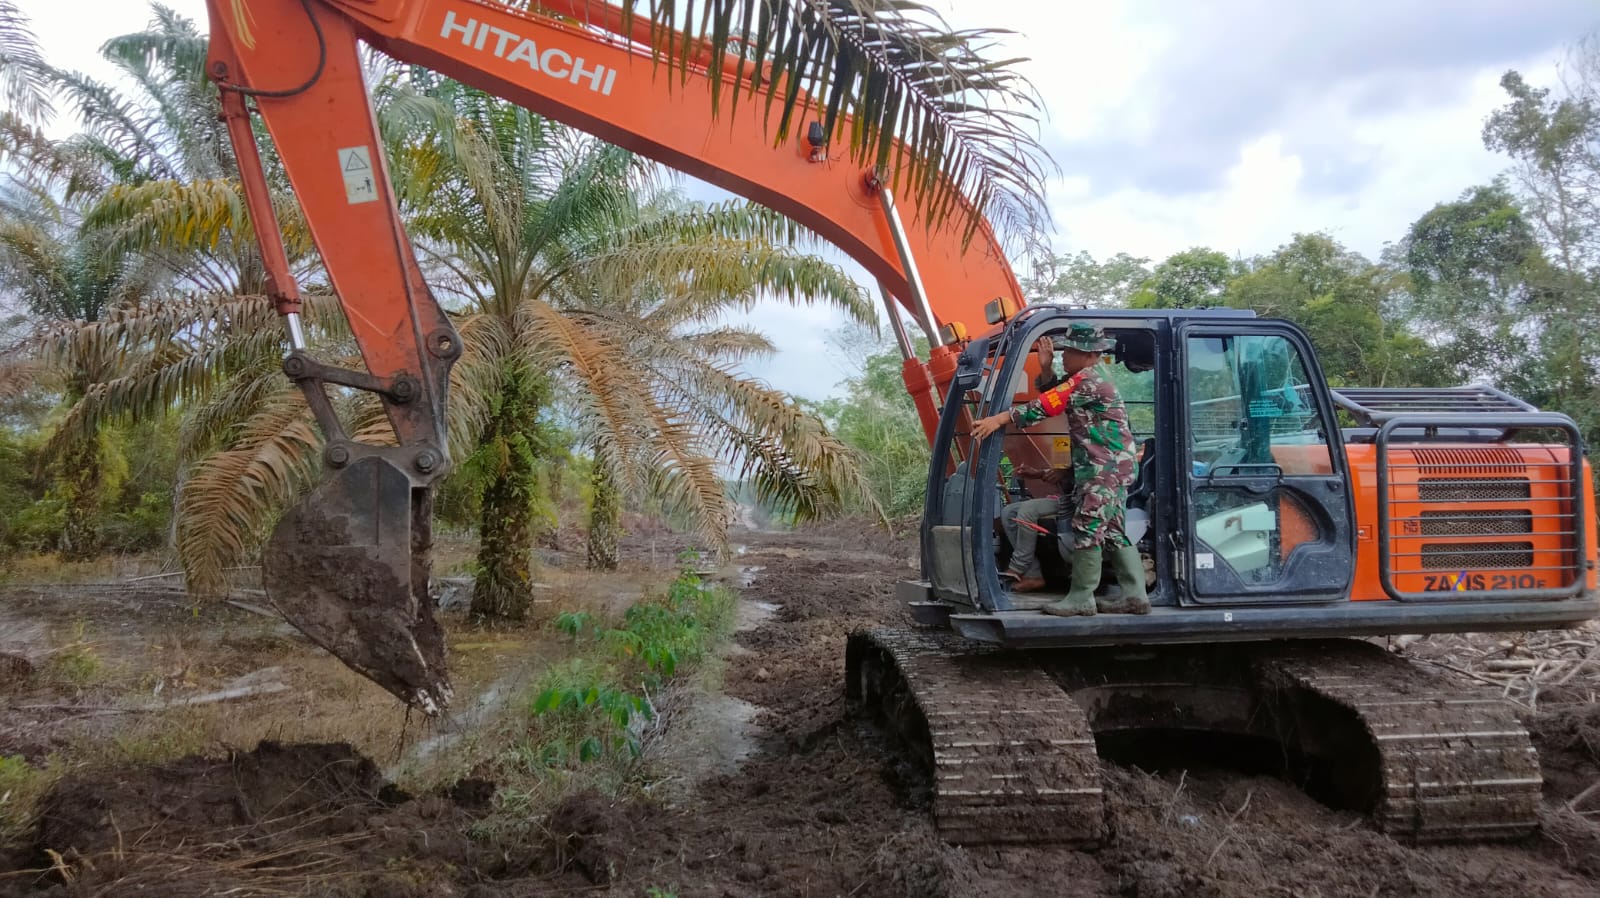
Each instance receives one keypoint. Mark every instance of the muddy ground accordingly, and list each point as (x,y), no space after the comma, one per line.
(804,801)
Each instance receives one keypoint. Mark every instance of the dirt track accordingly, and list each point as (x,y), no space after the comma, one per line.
(823,807)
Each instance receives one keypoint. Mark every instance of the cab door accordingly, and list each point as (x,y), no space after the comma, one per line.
(1266,499)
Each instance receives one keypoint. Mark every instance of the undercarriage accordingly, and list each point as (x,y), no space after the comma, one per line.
(1010,737)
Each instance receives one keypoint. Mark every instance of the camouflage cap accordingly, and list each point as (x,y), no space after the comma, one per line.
(1084,338)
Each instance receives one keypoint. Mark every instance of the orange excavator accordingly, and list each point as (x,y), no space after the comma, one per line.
(1278,519)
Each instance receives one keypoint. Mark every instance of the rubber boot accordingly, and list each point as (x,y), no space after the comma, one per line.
(1129,570)
(1085,580)
(1016,582)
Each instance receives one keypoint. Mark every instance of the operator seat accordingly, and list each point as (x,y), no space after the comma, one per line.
(1141,495)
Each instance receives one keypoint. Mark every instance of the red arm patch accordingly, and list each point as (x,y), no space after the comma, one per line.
(1054,401)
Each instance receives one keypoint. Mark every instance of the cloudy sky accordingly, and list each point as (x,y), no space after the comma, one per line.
(1227,123)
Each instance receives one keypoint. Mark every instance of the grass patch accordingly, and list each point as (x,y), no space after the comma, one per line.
(76,664)
(21,786)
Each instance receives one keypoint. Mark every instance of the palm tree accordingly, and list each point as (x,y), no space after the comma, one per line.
(151,177)
(664,287)
(573,283)
(67,278)
(583,280)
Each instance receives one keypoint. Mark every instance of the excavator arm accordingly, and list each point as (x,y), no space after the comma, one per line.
(349,565)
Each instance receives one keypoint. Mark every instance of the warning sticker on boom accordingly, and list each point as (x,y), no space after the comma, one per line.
(355,164)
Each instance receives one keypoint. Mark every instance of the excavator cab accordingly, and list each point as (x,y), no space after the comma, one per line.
(1248,508)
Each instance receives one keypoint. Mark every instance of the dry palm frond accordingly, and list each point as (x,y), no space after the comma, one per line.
(728,344)
(889,79)
(677,470)
(209,422)
(592,360)
(228,501)
(477,378)
(42,162)
(158,372)
(17,373)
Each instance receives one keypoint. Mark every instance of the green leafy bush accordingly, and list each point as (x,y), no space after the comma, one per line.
(598,707)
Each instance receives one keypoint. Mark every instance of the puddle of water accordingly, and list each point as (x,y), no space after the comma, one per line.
(709,737)
(455,726)
(750,615)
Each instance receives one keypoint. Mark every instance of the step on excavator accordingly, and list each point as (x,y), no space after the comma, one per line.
(1280,521)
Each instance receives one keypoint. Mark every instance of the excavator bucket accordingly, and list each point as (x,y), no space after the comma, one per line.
(348,567)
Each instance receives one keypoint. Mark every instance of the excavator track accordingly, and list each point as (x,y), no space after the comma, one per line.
(1452,765)
(1012,756)
(1010,736)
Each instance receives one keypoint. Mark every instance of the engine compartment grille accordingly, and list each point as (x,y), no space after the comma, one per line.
(1476,556)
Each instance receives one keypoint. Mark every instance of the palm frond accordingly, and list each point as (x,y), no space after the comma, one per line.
(187,216)
(714,277)
(23,83)
(208,423)
(679,473)
(119,125)
(889,79)
(226,504)
(712,259)
(42,163)
(785,451)
(728,344)
(158,356)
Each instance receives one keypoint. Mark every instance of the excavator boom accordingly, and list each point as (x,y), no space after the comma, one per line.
(348,566)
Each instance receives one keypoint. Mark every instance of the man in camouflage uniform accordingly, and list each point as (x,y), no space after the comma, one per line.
(1104,455)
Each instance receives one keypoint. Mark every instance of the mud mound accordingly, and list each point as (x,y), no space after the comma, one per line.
(14,669)
(309,790)
(824,585)
(1231,835)
(1568,740)
(282,819)
(593,835)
